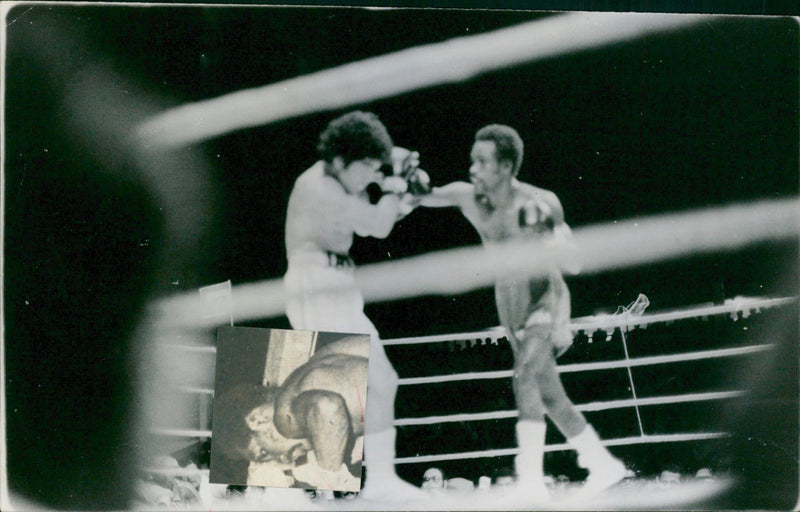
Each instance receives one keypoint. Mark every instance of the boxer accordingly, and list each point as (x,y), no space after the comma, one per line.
(535,312)
(329,205)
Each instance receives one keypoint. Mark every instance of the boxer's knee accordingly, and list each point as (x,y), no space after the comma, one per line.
(552,392)
(383,383)
(530,365)
(383,378)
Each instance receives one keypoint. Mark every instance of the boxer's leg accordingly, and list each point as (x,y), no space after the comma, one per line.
(531,426)
(604,469)
(381,389)
(569,420)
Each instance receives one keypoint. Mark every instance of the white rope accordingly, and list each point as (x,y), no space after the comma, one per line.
(451,61)
(412,381)
(455,418)
(207,349)
(180,432)
(578,367)
(586,323)
(174,471)
(593,406)
(670,358)
(612,245)
(192,389)
(609,322)
(494,415)
(601,365)
(744,305)
(494,334)
(661,438)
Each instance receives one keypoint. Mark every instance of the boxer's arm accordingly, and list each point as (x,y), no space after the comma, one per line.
(562,236)
(452,194)
(376,220)
(543,214)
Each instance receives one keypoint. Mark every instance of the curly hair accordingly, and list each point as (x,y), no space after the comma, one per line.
(231,434)
(355,136)
(506,140)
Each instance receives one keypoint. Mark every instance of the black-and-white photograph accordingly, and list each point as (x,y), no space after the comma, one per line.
(289,408)
(566,240)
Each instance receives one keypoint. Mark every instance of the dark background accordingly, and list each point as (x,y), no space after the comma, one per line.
(698,118)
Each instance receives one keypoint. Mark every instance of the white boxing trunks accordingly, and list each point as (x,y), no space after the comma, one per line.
(321,295)
(551,313)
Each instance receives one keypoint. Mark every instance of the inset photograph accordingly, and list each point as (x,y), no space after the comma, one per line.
(289,408)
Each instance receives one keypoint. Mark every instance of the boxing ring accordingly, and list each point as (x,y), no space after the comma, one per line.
(174,343)
(180,370)
(606,328)
(742,307)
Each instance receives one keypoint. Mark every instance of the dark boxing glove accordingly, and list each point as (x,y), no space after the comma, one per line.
(536,215)
(419,183)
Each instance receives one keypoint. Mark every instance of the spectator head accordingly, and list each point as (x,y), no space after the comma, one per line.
(504,477)
(433,478)
(670,478)
(704,474)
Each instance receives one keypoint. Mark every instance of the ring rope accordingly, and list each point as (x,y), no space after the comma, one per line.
(208,349)
(622,441)
(602,365)
(174,471)
(735,306)
(591,407)
(180,432)
(587,323)
(740,304)
(613,245)
(610,322)
(452,61)
(197,390)
(493,415)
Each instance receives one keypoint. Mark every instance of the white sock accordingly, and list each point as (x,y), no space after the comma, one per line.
(530,438)
(379,452)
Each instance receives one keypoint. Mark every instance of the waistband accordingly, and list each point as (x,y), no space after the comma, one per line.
(321,259)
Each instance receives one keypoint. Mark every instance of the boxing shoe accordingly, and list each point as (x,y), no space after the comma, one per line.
(529,489)
(315,475)
(390,488)
(523,495)
(605,470)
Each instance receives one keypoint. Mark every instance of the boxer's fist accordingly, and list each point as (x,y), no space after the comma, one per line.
(404,162)
(419,183)
(536,215)
(394,185)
